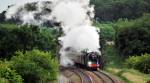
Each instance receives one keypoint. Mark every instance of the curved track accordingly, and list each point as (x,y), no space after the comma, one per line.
(87,77)
(80,76)
(105,77)
(91,76)
(72,73)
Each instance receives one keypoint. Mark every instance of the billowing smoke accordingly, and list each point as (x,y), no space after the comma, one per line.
(75,18)
(35,13)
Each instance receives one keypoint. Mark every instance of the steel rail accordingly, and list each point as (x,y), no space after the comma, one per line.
(80,76)
(104,77)
(88,77)
(75,72)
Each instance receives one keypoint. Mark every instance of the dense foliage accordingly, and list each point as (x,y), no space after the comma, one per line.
(13,38)
(110,10)
(118,20)
(132,37)
(107,33)
(8,76)
(35,66)
(141,63)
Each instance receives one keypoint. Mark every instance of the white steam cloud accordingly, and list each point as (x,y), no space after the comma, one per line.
(75,18)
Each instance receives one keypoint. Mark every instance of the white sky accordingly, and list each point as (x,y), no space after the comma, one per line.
(4,3)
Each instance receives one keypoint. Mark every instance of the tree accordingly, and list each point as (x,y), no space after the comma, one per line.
(14,38)
(107,33)
(132,37)
(112,10)
(2,16)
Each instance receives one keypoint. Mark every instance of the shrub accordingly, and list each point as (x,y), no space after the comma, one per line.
(141,63)
(132,37)
(13,38)
(35,66)
(8,76)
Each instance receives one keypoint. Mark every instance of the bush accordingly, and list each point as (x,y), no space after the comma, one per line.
(141,63)
(132,37)
(14,38)
(8,76)
(35,66)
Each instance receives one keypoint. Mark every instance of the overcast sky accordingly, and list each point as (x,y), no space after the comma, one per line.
(4,3)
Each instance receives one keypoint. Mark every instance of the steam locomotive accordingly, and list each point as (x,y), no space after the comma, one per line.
(86,59)
(90,60)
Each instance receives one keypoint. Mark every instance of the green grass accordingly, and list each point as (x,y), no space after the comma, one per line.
(115,65)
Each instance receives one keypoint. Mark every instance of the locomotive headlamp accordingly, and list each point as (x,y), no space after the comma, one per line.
(89,63)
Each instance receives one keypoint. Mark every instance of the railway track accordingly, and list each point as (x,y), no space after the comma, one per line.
(105,77)
(84,77)
(92,76)
(71,73)
(87,78)
(113,79)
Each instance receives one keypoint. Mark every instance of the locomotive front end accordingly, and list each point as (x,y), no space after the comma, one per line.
(93,60)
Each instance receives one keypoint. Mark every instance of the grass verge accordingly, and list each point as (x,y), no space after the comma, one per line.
(115,65)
